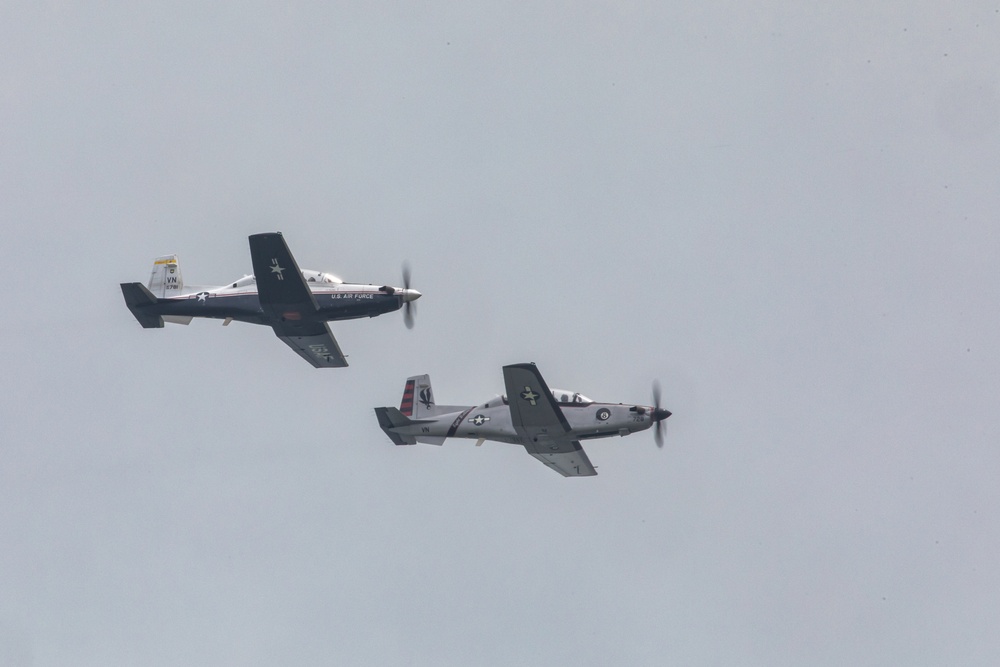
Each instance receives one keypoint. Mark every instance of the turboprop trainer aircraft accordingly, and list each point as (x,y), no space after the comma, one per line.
(550,423)
(296,304)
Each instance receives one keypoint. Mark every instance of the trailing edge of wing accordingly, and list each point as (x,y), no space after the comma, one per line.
(280,285)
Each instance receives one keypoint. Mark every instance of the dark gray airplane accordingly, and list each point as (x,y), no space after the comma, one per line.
(297,304)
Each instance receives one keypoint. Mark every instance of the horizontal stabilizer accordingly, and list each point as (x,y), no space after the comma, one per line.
(391,418)
(138,299)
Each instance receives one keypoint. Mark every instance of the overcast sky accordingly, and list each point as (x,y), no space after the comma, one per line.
(786,214)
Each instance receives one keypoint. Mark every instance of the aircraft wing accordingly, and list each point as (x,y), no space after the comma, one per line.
(313,341)
(280,286)
(540,423)
(568,464)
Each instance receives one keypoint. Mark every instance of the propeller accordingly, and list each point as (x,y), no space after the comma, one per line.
(659,414)
(409,309)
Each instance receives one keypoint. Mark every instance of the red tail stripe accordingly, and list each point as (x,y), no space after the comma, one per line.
(406,406)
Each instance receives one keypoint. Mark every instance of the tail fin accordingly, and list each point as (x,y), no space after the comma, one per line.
(166,277)
(418,404)
(418,400)
(418,397)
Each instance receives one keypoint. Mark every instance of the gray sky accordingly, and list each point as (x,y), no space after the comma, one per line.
(786,214)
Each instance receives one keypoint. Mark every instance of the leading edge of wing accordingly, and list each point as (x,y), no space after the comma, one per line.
(280,284)
(314,342)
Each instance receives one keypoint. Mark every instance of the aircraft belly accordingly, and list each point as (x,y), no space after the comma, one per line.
(489,434)
(211,312)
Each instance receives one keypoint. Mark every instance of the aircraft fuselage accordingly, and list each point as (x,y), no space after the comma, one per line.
(492,421)
(343,302)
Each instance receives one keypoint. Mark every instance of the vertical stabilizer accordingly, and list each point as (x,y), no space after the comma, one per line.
(418,398)
(418,406)
(166,277)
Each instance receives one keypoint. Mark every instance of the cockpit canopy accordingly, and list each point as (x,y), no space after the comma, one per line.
(570,397)
(564,397)
(320,277)
(310,277)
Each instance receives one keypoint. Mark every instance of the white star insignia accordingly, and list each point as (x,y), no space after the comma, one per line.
(529,395)
(479,420)
(277,268)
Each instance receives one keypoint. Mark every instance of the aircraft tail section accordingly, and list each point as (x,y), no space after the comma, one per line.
(418,406)
(393,421)
(418,399)
(390,418)
(165,280)
(138,299)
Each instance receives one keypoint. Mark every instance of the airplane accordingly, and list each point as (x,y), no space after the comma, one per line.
(296,303)
(549,423)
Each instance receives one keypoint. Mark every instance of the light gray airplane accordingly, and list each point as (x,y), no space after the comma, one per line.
(550,423)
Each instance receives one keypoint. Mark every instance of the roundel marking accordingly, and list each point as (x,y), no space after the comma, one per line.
(604,414)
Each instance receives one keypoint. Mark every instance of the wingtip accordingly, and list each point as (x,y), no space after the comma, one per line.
(264,235)
(528,365)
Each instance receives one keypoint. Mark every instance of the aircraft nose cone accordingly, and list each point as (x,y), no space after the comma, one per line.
(411,295)
(659,414)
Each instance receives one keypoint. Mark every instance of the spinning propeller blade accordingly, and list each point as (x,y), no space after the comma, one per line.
(659,414)
(409,308)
